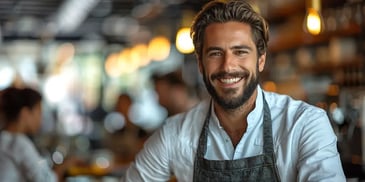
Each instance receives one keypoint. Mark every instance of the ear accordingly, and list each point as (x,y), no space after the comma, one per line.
(24,113)
(261,62)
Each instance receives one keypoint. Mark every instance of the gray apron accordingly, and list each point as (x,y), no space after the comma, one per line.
(256,168)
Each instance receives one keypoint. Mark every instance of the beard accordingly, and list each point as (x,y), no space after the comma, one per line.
(227,102)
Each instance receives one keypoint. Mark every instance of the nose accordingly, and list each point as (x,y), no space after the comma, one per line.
(227,61)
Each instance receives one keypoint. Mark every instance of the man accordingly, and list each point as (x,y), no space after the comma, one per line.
(243,133)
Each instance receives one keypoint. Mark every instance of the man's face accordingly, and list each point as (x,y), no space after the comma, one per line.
(230,64)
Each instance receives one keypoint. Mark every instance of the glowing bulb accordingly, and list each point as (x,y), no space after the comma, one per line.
(313,22)
(159,48)
(111,65)
(184,43)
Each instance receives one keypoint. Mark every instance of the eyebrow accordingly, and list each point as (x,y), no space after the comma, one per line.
(241,47)
(212,49)
(233,47)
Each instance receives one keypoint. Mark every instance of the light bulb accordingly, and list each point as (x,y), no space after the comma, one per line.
(184,43)
(313,19)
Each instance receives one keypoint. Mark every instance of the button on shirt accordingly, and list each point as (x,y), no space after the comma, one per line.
(304,143)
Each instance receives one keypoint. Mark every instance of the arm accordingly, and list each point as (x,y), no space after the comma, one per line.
(8,168)
(318,159)
(152,163)
(31,164)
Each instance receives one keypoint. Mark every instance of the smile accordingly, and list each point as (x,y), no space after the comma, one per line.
(230,80)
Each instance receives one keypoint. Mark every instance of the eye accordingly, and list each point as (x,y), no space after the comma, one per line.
(215,54)
(240,52)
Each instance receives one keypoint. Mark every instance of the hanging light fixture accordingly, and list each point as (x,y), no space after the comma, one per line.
(313,22)
(184,43)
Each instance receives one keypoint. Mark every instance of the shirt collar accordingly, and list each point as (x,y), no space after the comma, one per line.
(257,112)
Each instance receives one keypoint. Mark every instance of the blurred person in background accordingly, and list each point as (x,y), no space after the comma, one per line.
(20,117)
(128,140)
(173,93)
(243,133)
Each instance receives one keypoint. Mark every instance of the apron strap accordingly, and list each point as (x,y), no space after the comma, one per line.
(268,140)
(202,145)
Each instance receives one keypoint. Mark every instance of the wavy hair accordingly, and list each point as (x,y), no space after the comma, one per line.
(219,11)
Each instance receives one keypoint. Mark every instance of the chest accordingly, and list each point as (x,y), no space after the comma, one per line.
(235,136)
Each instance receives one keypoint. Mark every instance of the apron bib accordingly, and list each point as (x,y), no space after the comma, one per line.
(252,169)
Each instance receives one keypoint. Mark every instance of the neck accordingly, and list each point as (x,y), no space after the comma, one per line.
(14,127)
(234,121)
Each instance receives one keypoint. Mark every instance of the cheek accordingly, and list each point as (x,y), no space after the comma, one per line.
(37,118)
(30,123)
(210,68)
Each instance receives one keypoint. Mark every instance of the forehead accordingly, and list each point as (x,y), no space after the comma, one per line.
(218,33)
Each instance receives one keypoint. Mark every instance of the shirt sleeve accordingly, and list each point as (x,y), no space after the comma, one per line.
(8,170)
(152,163)
(32,165)
(319,159)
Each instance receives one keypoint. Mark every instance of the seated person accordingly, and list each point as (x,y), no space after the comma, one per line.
(173,93)
(21,111)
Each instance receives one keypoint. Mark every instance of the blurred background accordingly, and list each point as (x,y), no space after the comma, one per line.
(84,54)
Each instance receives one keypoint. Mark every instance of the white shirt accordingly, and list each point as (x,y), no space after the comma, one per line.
(20,161)
(304,143)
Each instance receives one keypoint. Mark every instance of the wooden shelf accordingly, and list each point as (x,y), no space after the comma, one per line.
(278,13)
(286,22)
(287,10)
(284,41)
(287,36)
(332,67)
(275,14)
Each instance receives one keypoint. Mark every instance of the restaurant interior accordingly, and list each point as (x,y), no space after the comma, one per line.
(82,55)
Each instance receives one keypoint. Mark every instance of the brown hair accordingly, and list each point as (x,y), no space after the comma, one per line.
(219,11)
(13,99)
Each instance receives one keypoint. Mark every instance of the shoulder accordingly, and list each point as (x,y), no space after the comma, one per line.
(298,119)
(284,104)
(189,119)
(21,151)
(15,150)
(185,127)
(12,141)
(17,145)
(293,117)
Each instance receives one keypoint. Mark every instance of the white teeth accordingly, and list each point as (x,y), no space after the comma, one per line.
(230,80)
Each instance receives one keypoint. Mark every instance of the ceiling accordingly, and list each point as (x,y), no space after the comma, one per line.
(116,21)
(111,20)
